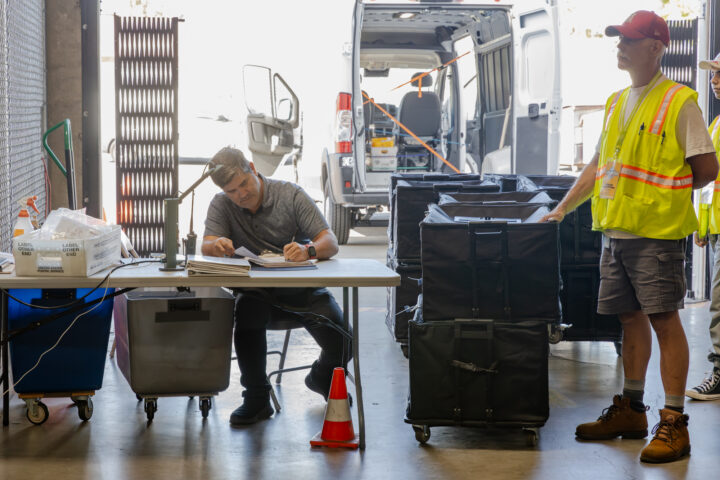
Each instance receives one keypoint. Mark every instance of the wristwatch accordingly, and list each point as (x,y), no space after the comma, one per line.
(312,253)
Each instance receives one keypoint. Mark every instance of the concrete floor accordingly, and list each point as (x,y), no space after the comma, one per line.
(117,444)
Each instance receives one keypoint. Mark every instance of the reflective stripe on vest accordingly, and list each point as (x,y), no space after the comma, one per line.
(661,115)
(714,220)
(653,196)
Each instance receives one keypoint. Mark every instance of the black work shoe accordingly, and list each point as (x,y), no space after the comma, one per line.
(709,389)
(314,382)
(251,411)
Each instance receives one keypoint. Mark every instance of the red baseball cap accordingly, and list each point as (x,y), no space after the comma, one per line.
(642,24)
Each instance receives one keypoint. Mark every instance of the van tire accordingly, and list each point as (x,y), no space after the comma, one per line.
(337,216)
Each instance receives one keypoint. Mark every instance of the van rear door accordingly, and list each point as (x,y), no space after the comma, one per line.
(273,115)
(536,94)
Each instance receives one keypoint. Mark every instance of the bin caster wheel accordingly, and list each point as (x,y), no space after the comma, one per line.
(531,437)
(404,348)
(85,409)
(618,348)
(555,335)
(150,408)
(37,413)
(422,433)
(205,406)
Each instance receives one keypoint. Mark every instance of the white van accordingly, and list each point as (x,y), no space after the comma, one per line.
(430,86)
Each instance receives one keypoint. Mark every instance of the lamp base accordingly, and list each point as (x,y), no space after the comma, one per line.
(179,264)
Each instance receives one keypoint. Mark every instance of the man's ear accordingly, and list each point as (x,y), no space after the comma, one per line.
(252,167)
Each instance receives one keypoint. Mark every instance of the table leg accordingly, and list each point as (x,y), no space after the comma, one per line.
(356,364)
(5,359)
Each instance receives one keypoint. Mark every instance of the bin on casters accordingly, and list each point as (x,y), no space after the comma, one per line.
(175,343)
(74,368)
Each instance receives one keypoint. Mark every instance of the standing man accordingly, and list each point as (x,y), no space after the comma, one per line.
(654,149)
(709,389)
(262,214)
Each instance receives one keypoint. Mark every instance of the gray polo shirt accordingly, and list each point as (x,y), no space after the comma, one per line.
(286,213)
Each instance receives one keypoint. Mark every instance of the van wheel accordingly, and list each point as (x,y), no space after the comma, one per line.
(337,216)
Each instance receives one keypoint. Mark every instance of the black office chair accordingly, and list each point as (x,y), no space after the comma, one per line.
(287,323)
(422,116)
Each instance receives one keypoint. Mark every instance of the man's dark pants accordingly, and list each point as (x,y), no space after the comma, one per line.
(254,310)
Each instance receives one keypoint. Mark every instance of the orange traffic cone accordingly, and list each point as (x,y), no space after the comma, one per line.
(337,429)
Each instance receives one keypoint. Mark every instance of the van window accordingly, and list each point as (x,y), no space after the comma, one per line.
(467,71)
(539,72)
(495,84)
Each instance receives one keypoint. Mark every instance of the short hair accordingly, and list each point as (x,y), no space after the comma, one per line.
(233,162)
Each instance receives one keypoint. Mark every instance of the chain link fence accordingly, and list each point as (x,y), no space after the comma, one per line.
(22,104)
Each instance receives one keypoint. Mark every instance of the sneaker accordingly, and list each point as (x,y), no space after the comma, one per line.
(670,441)
(618,420)
(709,389)
(253,410)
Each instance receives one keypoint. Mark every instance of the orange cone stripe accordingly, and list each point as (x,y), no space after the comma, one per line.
(428,147)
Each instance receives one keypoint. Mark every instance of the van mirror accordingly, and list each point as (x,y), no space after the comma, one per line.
(285,109)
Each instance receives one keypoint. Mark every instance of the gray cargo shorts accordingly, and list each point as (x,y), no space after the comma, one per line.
(641,274)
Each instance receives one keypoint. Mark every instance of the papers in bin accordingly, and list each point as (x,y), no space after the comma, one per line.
(271,260)
(487,219)
(219,266)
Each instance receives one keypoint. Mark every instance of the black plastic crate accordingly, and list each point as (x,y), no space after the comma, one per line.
(490,269)
(579,299)
(478,373)
(401,299)
(409,207)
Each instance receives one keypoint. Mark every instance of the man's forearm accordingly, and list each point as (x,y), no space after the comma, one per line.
(581,189)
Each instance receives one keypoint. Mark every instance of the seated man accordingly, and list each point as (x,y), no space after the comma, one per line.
(263,214)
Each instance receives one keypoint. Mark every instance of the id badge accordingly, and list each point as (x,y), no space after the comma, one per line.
(610,180)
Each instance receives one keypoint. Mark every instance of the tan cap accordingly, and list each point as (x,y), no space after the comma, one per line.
(713,64)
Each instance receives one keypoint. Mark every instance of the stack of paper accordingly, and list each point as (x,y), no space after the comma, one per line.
(272,260)
(220,266)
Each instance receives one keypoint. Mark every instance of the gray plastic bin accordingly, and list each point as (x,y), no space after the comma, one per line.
(173,343)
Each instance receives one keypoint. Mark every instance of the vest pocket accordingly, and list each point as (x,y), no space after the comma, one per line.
(629,214)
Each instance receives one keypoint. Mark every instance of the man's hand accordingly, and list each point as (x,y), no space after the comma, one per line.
(700,242)
(222,246)
(294,252)
(556,215)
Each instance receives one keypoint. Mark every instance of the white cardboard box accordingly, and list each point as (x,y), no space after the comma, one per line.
(66,257)
(384,158)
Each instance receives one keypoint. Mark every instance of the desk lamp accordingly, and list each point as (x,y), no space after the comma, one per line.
(170,208)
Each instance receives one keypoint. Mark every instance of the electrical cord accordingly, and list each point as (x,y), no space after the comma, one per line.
(71,307)
(78,300)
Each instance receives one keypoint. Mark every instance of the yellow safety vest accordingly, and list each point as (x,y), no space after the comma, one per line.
(653,196)
(714,222)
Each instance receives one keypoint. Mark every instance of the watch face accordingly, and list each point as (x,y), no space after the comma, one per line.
(311,251)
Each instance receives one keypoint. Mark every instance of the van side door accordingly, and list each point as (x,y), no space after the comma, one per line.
(536,98)
(273,115)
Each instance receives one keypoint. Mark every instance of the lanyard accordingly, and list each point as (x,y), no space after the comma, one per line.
(625,123)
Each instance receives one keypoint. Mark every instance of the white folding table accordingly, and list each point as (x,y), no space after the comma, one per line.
(350,274)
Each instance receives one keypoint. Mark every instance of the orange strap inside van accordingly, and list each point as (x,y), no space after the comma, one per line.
(428,147)
(428,73)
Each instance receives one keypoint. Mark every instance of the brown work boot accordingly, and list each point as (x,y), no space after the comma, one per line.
(671,441)
(618,420)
